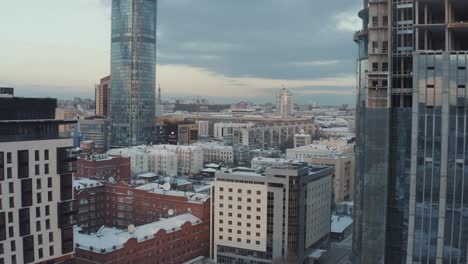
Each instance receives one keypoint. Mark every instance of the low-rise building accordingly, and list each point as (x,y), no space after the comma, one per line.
(279,216)
(103,166)
(222,129)
(337,153)
(166,160)
(302,139)
(175,239)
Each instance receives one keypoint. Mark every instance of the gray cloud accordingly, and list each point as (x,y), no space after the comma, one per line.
(281,39)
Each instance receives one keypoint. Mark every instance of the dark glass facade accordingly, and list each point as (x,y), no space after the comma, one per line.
(411,204)
(133,71)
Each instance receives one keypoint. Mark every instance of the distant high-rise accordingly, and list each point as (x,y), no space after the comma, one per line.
(284,102)
(102,96)
(133,71)
(411,199)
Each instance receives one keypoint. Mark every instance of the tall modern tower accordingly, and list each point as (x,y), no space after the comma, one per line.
(284,102)
(133,71)
(412,150)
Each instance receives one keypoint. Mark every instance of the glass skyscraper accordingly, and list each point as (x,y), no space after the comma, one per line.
(412,121)
(133,71)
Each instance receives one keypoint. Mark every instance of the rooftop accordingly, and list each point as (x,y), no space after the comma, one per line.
(84,183)
(109,239)
(340,223)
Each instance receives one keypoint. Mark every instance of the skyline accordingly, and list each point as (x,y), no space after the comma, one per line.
(216,54)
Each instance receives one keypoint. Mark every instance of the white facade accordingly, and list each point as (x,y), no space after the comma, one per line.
(222,130)
(320,149)
(43,213)
(302,139)
(284,102)
(217,154)
(203,128)
(168,160)
(260,162)
(250,211)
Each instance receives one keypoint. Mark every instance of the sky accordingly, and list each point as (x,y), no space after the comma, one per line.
(224,50)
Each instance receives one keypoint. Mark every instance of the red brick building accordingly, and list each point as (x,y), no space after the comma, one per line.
(120,204)
(103,166)
(171,226)
(173,240)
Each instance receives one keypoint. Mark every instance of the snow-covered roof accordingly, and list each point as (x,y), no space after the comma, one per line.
(209,170)
(84,183)
(107,238)
(191,196)
(340,223)
(147,175)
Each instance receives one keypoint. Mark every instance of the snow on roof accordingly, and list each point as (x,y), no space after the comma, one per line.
(316,254)
(107,237)
(340,223)
(212,165)
(209,170)
(84,183)
(191,196)
(147,175)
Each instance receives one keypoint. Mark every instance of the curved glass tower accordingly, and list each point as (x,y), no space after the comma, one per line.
(133,71)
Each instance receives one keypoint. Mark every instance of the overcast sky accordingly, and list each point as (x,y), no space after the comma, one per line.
(226,49)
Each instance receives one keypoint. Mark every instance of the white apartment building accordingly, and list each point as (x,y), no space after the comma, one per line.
(36,188)
(337,153)
(222,129)
(213,153)
(170,160)
(279,216)
(261,162)
(302,139)
(203,128)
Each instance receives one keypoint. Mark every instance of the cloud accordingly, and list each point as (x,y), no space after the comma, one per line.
(348,21)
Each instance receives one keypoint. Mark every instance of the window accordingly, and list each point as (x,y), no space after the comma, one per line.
(8,157)
(12,202)
(41,254)
(230,206)
(221,205)
(239,190)
(38,197)
(229,230)
(249,216)
(239,224)
(248,224)
(385,21)
(221,221)
(258,209)
(46,154)
(23,164)
(257,242)
(220,212)
(375,66)
(258,217)
(239,215)
(221,189)
(49,196)
(229,214)
(10,217)
(47,224)
(257,234)
(248,241)
(47,210)
(248,233)
(257,225)
(239,232)
(229,222)
(38,184)
(36,155)
(9,173)
(13,245)
(259,192)
(239,240)
(239,207)
(230,238)
(13,259)
(11,233)
(51,237)
(2,166)
(239,199)
(259,201)
(230,189)
(36,170)
(385,66)
(230,198)
(38,226)
(49,182)
(220,197)
(46,168)
(39,239)
(38,212)
(249,208)
(11,188)
(375,21)
(51,250)
(249,191)
(220,237)
(220,229)
(249,200)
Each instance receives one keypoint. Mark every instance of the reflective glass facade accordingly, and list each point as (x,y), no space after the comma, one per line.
(133,71)
(411,185)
